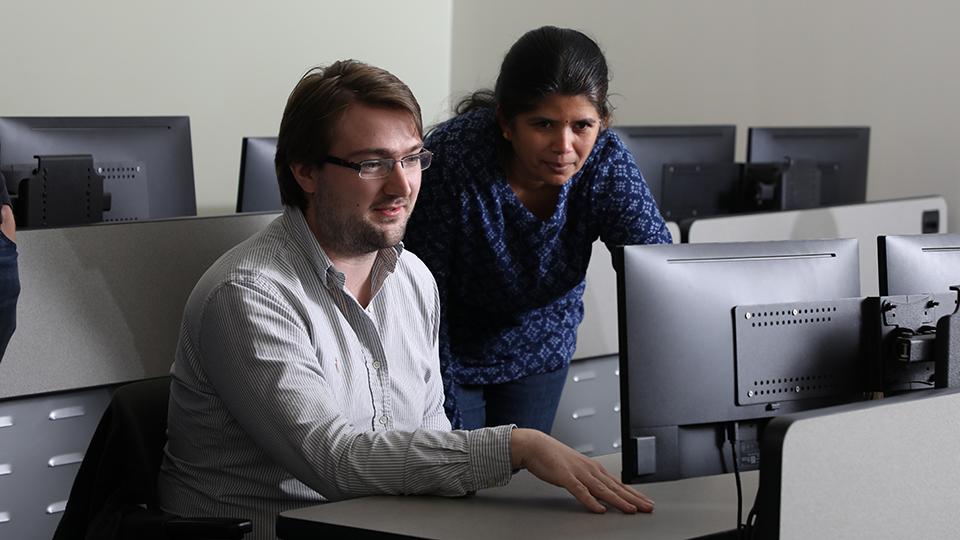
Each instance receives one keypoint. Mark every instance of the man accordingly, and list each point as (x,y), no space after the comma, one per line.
(307,368)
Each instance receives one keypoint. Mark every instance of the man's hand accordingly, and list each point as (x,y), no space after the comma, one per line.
(554,462)
(8,226)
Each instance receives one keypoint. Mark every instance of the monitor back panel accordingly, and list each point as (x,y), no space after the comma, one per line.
(676,318)
(259,191)
(922,263)
(147,162)
(843,153)
(654,146)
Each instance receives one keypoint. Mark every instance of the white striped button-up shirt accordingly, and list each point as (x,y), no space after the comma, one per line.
(286,392)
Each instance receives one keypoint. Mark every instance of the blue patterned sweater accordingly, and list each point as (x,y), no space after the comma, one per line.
(511,285)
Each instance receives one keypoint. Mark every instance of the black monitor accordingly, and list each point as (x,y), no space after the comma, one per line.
(841,154)
(259,191)
(690,170)
(918,263)
(146,162)
(700,368)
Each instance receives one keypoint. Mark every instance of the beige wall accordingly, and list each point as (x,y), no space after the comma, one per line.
(890,65)
(229,65)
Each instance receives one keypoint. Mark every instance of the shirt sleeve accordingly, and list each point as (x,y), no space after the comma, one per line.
(431,235)
(630,213)
(256,352)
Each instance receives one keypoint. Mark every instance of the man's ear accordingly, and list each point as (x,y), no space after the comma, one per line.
(306,176)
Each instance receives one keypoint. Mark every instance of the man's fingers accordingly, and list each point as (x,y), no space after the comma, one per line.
(582,494)
(626,500)
(632,496)
(629,493)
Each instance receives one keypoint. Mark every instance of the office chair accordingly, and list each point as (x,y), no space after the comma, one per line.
(114,495)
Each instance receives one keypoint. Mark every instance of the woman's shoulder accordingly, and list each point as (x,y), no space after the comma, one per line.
(611,159)
(464,150)
(610,146)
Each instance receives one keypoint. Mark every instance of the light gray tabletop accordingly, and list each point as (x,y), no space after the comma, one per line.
(528,508)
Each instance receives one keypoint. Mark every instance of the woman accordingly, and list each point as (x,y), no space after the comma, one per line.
(524,180)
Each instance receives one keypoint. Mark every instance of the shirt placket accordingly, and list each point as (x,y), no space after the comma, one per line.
(372,352)
(377,370)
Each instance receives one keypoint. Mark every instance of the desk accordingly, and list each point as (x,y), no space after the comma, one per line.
(527,508)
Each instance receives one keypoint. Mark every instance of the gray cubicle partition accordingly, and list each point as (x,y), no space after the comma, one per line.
(875,470)
(861,221)
(100,305)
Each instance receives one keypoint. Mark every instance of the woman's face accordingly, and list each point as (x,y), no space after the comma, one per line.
(551,142)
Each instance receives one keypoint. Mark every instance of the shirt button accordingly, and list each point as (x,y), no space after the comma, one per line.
(376,364)
(383,419)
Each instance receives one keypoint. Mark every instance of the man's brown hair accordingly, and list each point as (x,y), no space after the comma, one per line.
(316,105)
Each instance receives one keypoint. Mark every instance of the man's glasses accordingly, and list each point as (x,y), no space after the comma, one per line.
(370,169)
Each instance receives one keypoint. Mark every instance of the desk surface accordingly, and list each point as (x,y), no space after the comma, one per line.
(528,508)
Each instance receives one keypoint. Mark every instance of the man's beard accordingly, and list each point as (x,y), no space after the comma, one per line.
(351,234)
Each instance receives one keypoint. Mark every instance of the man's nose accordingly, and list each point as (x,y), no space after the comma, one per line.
(398,181)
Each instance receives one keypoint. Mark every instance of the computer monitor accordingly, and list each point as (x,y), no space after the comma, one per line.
(690,170)
(841,153)
(918,263)
(146,162)
(259,191)
(695,360)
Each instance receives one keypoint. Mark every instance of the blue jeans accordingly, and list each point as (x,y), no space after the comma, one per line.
(530,402)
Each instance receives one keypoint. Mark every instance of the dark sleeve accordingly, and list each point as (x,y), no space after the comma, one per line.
(630,214)
(430,235)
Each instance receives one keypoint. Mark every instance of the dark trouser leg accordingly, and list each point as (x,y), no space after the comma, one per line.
(530,402)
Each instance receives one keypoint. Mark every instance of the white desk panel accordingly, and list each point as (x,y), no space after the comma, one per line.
(872,470)
(861,221)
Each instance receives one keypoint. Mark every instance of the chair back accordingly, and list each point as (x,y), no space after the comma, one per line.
(119,471)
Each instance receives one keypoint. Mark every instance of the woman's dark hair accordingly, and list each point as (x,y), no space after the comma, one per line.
(545,61)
